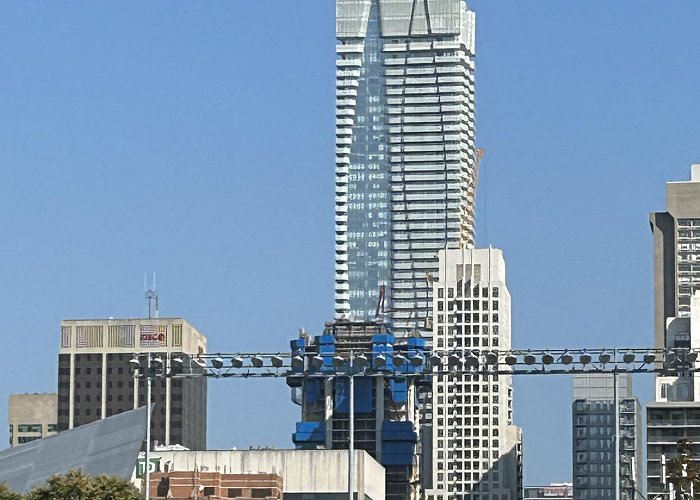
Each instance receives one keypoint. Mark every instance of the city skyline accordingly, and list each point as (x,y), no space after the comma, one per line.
(121,182)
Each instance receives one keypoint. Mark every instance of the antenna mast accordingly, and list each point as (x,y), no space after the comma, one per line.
(152,298)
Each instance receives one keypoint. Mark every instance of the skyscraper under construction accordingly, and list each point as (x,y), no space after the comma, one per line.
(406,162)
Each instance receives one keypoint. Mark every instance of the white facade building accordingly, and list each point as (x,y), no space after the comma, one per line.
(406,163)
(476,449)
(675,414)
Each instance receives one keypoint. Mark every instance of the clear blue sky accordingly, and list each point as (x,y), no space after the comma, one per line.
(196,139)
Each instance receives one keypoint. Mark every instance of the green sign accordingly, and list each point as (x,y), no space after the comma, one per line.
(141,469)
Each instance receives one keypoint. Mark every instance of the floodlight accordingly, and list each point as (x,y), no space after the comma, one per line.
(135,363)
(435,361)
(176,362)
(491,358)
(529,359)
(604,357)
(157,361)
(547,359)
(417,359)
(398,359)
(585,359)
(338,361)
(317,362)
(454,359)
(360,361)
(276,361)
(629,357)
(237,362)
(649,357)
(566,358)
(511,360)
(297,363)
(217,362)
(380,361)
(257,361)
(472,361)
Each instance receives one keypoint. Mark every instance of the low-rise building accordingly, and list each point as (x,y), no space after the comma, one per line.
(554,491)
(31,417)
(185,485)
(305,473)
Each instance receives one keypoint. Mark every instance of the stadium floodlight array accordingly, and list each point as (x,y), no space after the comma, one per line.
(443,361)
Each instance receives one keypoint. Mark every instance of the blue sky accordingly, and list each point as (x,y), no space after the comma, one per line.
(196,140)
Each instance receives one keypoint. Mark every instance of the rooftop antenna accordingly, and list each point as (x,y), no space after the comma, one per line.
(151,297)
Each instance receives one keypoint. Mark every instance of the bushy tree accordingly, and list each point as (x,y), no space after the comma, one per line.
(683,472)
(77,486)
(7,494)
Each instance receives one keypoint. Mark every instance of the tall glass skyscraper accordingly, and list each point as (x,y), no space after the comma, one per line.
(406,163)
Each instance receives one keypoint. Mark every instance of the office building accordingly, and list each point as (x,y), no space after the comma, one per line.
(306,474)
(476,448)
(594,430)
(96,379)
(675,414)
(31,417)
(554,491)
(386,416)
(406,163)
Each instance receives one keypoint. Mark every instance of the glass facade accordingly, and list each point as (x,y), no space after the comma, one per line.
(594,448)
(368,198)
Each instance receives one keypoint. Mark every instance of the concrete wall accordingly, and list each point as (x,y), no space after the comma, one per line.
(32,409)
(303,471)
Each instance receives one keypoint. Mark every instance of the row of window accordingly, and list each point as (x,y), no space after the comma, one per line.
(469,305)
(33,428)
(475,291)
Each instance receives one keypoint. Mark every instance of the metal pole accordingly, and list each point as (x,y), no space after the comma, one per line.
(617,436)
(147,466)
(351,444)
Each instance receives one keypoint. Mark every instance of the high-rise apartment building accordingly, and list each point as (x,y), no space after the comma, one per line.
(675,414)
(594,436)
(96,379)
(31,417)
(406,163)
(476,448)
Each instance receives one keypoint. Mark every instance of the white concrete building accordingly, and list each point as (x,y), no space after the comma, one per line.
(406,162)
(476,449)
(306,473)
(676,412)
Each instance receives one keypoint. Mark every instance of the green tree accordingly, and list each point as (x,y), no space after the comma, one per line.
(683,472)
(77,486)
(7,494)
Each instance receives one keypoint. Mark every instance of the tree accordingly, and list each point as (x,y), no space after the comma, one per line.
(77,486)
(7,494)
(683,472)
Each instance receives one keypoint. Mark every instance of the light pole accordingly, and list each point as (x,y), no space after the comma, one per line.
(351,442)
(148,373)
(147,469)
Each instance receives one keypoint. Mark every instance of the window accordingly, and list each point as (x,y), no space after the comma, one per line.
(27,439)
(208,491)
(29,428)
(260,492)
(53,428)
(177,335)
(235,492)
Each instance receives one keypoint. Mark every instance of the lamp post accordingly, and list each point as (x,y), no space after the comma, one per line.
(351,442)
(147,466)
(148,373)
